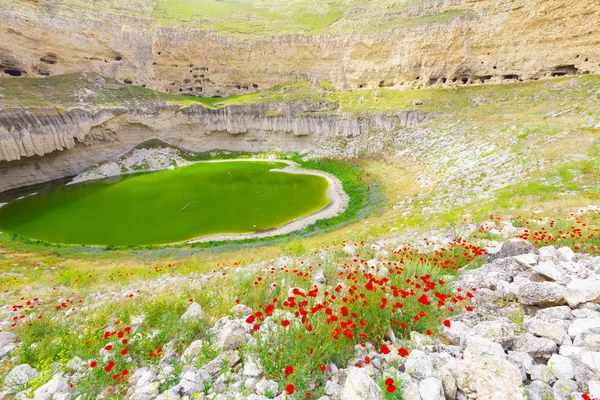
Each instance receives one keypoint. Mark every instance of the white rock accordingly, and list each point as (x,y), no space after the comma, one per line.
(548,253)
(570,351)
(501,330)
(527,260)
(419,365)
(192,383)
(8,342)
(193,313)
(18,378)
(583,290)
(146,378)
(489,378)
(231,335)
(563,388)
(56,385)
(591,359)
(540,294)
(145,392)
(583,325)
(332,388)
(536,347)
(457,333)
(360,386)
(549,330)
(267,388)
(565,254)
(480,347)
(192,351)
(522,360)
(552,313)
(561,367)
(549,270)
(431,389)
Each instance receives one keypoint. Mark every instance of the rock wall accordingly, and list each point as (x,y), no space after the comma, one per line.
(31,140)
(490,41)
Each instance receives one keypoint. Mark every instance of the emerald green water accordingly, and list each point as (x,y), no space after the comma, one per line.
(221,198)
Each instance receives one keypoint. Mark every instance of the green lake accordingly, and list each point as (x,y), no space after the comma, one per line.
(168,206)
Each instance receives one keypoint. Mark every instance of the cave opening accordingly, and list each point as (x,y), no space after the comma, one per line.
(13,72)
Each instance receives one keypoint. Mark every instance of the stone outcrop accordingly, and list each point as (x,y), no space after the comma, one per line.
(93,136)
(440,43)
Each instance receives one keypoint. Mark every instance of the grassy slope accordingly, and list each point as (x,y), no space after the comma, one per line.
(259,18)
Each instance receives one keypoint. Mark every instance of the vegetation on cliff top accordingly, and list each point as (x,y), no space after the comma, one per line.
(248,19)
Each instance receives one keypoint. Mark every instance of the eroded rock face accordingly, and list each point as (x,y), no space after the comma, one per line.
(72,141)
(544,42)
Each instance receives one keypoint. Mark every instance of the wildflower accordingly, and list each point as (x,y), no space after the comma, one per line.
(93,364)
(109,366)
(124,352)
(322,367)
(391,389)
(250,319)
(290,389)
(402,352)
(285,323)
(385,349)
(447,323)
(108,347)
(288,370)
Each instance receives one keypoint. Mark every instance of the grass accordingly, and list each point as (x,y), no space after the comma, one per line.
(251,19)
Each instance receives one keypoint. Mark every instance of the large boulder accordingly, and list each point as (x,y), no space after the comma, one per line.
(359,386)
(489,378)
(561,367)
(584,325)
(231,334)
(490,275)
(555,331)
(513,248)
(583,290)
(538,348)
(18,378)
(541,294)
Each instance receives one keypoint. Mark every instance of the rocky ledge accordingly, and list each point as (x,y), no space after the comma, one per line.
(533,332)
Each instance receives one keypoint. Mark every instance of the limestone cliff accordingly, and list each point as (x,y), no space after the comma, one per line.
(91,136)
(463,42)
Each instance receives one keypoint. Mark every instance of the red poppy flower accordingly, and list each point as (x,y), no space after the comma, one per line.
(285,323)
(93,364)
(250,319)
(322,367)
(124,352)
(288,370)
(109,366)
(385,349)
(290,389)
(125,372)
(402,352)
(447,323)
(108,347)
(389,381)
(391,389)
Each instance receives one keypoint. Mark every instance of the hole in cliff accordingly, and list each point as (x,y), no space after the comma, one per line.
(158,52)
(199,89)
(432,81)
(238,87)
(255,86)
(494,67)
(362,85)
(13,72)
(563,70)
(201,75)
(118,58)
(484,78)
(127,81)
(49,59)
(190,89)
(510,76)
(44,73)
(180,89)
(186,81)
(586,59)
(381,84)
(464,79)
(444,80)
(418,77)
